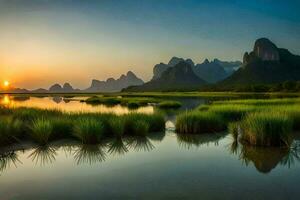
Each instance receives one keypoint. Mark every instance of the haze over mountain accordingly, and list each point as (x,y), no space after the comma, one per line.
(179,77)
(110,85)
(115,85)
(66,88)
(266,64)
(211,72)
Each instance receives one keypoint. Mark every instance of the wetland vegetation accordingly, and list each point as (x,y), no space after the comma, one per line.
(263,122)
(43,126)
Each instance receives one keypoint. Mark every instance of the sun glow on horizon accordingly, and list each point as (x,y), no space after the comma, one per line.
(6,84)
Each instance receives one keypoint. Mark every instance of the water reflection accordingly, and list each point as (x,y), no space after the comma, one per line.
(139,143)
(8,159)
(20,98)
(6,100)
(157,137)
(57,99)
(89,154)
(117,147)
(189,141)
(265,159)
(67,104)
(43,155)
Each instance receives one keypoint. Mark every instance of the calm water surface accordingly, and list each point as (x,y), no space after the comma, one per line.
(68,105)
(159,166)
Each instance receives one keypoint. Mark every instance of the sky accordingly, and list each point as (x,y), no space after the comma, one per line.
(55,41)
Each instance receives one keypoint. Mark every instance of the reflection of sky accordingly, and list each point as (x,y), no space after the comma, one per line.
(54,41)
(71,106)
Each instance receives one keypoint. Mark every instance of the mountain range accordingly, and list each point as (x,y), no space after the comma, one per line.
(180,77)
(182,74)
(211,72)
(110,85)
(266,64)
(115,85)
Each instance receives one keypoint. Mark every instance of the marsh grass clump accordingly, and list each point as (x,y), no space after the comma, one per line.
(203,107)
(267,129)
(234,130)
(88,130)
(92,100)
(117,126)
(62,127)
(41,131)
(155,122)
(103,100)
(232,112)
(10,130)
(169,105)
(294,113)
(133,105)
(4,110)
(140,127)
(199,122)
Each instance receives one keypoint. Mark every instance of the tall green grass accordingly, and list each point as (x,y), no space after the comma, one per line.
(43,126)
(88,130)
(10,130)
(267,129)
(117,126)
(231,112)
(199,122)
(41,130)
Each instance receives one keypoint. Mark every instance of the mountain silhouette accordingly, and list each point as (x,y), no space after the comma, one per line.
(211,72)
(266,64)
(112,85)
(179,77)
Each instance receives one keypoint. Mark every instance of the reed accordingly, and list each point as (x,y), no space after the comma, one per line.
(88,130)
(117,126)
(199,122)
(41,131)
(267,129)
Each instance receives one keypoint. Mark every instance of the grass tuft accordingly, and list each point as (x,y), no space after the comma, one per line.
(41,131)
(88,130)
(267,129)
(199,122)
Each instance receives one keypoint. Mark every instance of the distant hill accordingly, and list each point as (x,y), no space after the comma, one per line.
(179,77)
(115,85)
(211,72)
(229,66)
(110,85)
(57,88)
(266,64)
(162,67)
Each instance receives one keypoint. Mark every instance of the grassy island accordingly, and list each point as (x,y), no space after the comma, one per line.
(43,126)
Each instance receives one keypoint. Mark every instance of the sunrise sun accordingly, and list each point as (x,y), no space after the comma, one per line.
(6,83)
